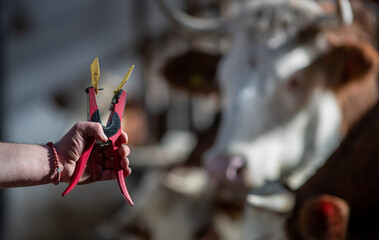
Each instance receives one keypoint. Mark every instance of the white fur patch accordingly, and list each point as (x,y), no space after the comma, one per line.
(326,138)
(295,60)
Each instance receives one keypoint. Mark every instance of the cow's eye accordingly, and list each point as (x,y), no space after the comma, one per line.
(294,83)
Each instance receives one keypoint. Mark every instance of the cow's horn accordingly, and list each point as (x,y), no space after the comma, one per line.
(345,13)
(344,16)
(218,25)
(191,23)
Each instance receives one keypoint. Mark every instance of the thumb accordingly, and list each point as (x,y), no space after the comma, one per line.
(93,129)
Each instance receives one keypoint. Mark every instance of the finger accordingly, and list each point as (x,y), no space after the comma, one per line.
(124,151)
(124,162)
(91,174)
(107,151)
(107,174)
(97,155)
(124,137)
(93,129)
(108,164)
(127,172)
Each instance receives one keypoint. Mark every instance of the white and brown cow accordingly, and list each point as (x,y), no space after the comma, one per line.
(297,76)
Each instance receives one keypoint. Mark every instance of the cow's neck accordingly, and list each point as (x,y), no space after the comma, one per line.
(355,99)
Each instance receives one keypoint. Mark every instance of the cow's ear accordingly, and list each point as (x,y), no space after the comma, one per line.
(194,71)
(351,72)
(349,63)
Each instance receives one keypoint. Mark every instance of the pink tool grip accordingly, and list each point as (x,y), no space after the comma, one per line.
(120,172)
(80,165)
(120,177)
(92,102)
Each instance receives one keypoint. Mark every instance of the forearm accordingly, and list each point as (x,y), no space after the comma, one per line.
(29,165)
(25,165)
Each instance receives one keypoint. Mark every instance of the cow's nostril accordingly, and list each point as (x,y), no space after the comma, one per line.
(235,168)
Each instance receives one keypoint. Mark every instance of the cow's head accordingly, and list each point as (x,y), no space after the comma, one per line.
(279,83)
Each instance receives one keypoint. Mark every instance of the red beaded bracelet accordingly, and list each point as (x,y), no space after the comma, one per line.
(56,162)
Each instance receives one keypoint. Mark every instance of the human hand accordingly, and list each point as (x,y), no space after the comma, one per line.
(100,164)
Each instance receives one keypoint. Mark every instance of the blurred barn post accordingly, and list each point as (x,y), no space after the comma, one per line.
(1,110)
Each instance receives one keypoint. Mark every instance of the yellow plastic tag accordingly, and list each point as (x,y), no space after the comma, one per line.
(95,73)
(127,75)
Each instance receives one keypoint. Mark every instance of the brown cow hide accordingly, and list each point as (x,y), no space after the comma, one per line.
(193,71)
(351,174)
(351,71)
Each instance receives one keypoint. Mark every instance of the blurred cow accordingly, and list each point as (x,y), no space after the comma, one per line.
(284,89)
(291,90)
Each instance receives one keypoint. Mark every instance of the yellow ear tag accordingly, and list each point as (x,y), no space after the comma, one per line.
(95,73)
(127,75)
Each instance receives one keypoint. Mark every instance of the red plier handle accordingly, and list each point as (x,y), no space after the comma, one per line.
(113,132)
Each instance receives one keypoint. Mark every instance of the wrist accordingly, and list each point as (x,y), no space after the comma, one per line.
(55,164)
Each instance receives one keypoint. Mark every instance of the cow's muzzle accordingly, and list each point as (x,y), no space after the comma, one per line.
(227,171)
